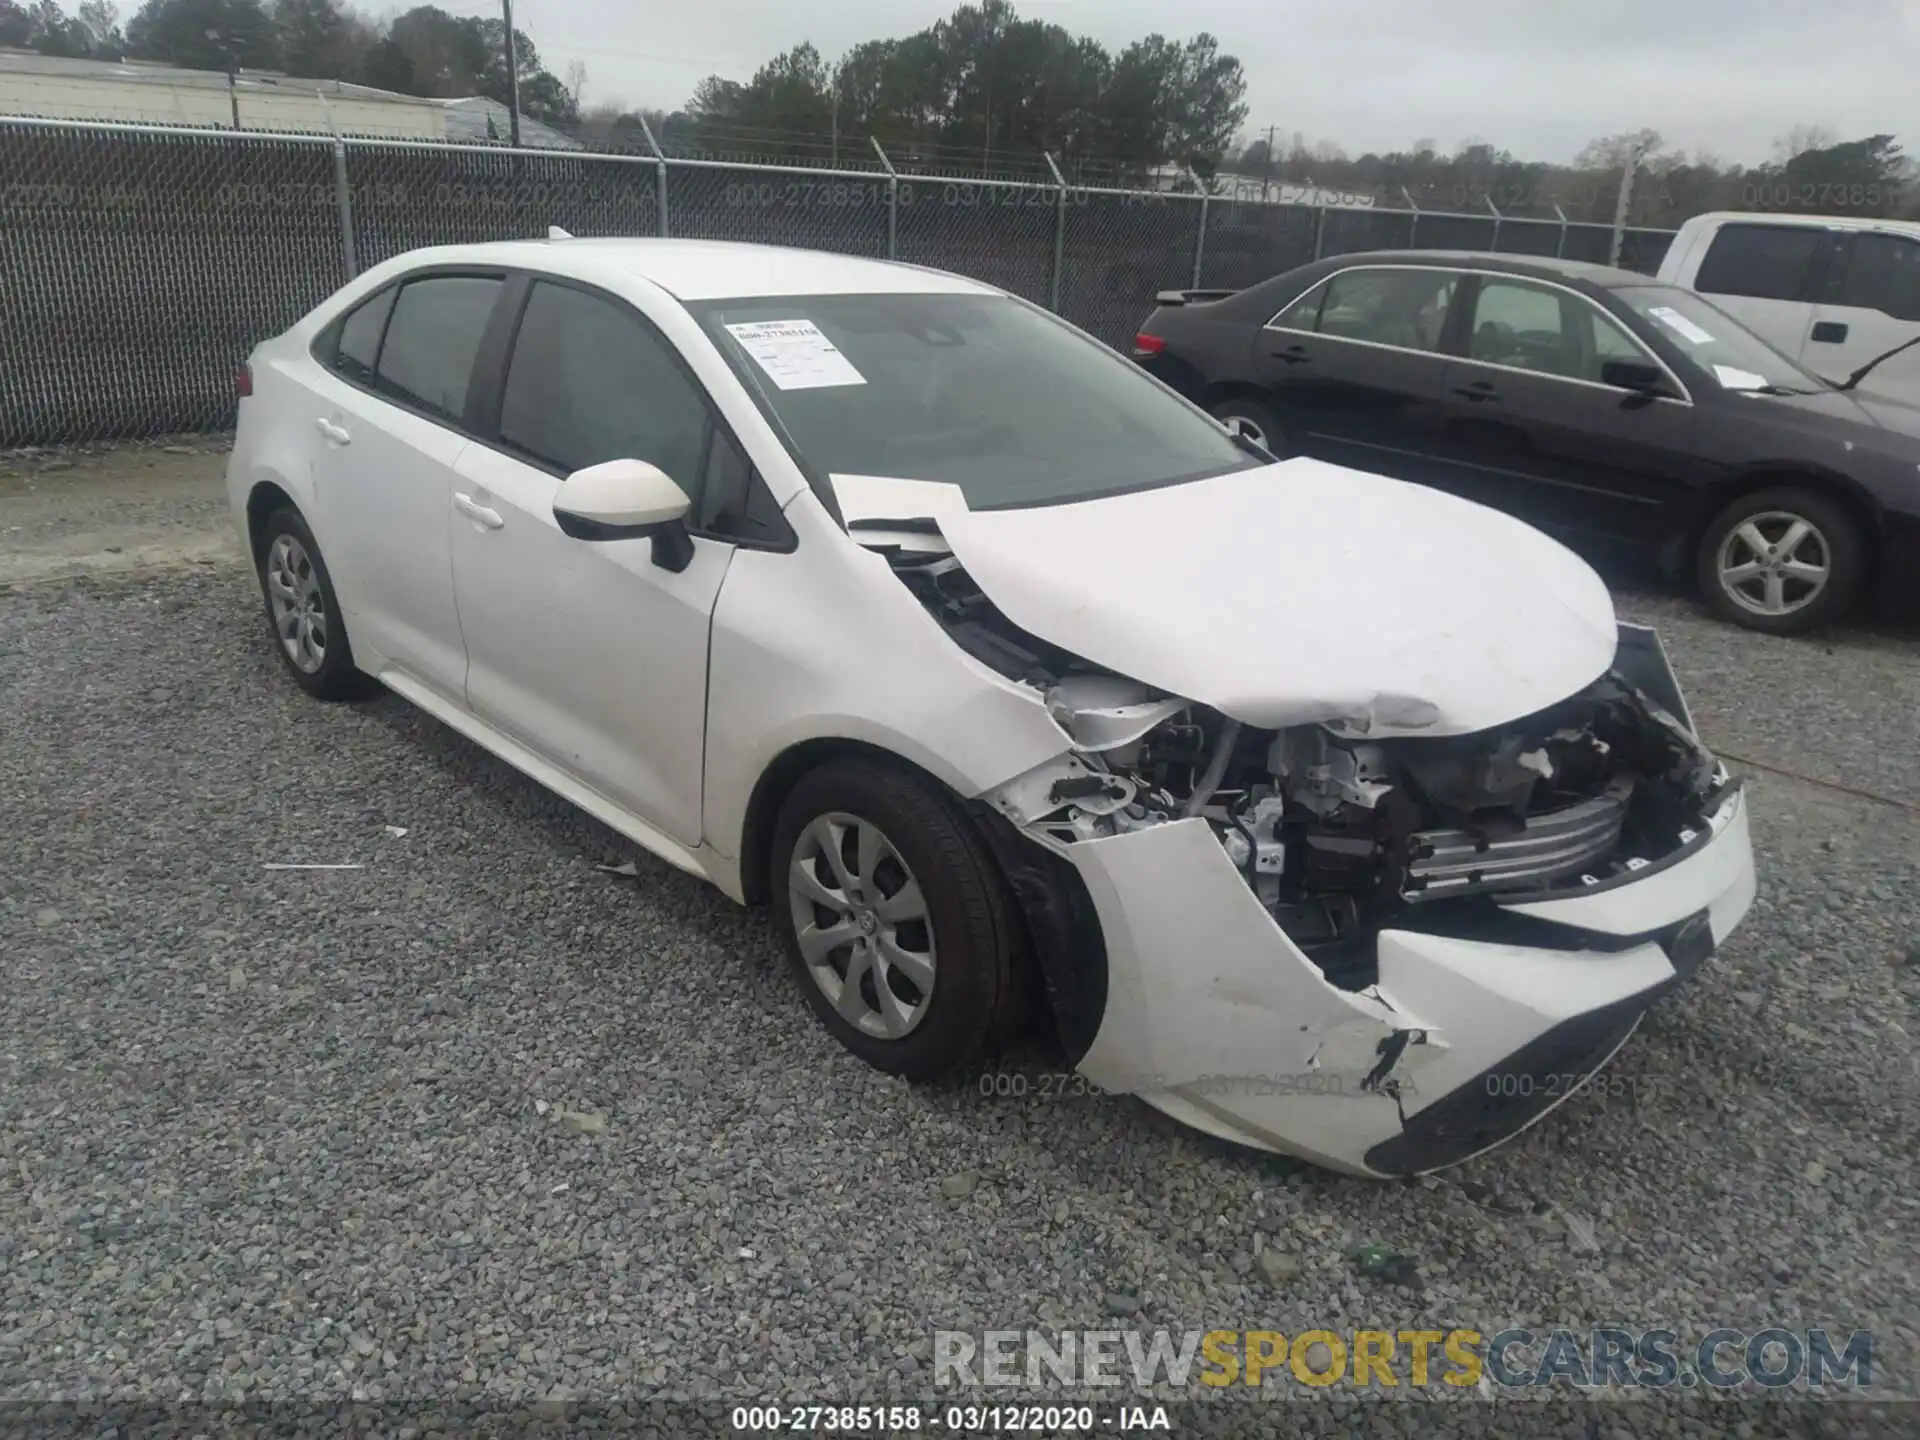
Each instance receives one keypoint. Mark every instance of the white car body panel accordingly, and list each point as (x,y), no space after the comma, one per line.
(1243,558)
(591,653)
(1216,1017)
(658,701)
(826,644)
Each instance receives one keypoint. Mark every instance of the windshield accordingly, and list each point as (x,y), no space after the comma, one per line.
(1719,344)
(978,391)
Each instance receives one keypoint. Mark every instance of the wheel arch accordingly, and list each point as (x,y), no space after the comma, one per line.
(1065,960)
(1222,390)
(1844,490)
(263,499)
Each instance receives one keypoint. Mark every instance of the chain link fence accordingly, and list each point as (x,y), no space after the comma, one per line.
(140,265)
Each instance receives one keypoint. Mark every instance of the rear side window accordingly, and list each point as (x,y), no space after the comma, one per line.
(432,339)
(360,334)
(1883,273)
(1405,308)
(589,381)
(1766,262)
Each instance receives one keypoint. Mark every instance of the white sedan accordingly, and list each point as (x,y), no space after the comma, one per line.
(1331,815)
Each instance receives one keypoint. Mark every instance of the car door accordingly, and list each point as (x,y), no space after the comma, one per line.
(391,407)
(1354,366)
(1534,430)
(1868,302)
(1763,274)
(592,654)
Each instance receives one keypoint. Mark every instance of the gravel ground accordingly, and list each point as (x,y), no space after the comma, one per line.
(479,1121)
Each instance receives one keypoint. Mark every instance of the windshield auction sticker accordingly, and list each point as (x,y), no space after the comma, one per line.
(1680,324)
(795,355)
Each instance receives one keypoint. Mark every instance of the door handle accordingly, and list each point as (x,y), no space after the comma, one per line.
(338,434)
(1293,355)
(476,512)
(1477,391)
(1828,332)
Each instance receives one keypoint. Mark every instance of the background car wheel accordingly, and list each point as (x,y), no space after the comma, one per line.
(303,612)
(894,916)
(1257,421)
(1784,561)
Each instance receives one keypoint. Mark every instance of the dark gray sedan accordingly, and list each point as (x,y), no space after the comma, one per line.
(1594,402)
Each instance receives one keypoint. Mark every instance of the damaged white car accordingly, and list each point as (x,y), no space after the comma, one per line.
(1328,814)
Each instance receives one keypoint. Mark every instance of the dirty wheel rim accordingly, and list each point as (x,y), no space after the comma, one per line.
(1774,563)
(1246,429)
(862,925)
(299,609)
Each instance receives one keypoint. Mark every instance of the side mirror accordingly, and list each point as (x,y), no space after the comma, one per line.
(1640,376)
(627,500)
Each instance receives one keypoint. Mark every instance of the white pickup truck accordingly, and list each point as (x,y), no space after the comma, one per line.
(1836,293)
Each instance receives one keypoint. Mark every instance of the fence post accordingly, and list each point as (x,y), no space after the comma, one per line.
(659,174)
(1560,250)
(1200,244)
(1413,225)
(1059,233)
(1496,222)
(1319,229)
(343,202)
(893,199)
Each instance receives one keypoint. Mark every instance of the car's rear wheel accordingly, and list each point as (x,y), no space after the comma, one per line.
(304,612)
(1785,561)
(895,919)
(1254,420)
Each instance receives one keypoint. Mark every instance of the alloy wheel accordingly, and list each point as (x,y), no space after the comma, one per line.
(1774,563)
(1246,429)
(862,925)
(299,607)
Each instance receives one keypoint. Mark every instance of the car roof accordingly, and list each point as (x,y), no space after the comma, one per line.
(1818,222)
(707,269)
(1546,267)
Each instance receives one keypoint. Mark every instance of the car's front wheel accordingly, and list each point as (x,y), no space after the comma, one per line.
(894,917)
(1254,420)
(304,611)
(1785,561)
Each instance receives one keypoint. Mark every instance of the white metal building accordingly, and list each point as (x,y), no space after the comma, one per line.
(146,93)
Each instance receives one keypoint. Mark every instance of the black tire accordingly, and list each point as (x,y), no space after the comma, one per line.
(1834,535)
(335,677)
(970,918)
(1258,421)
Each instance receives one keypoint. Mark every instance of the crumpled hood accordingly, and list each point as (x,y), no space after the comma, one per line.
(1289,594)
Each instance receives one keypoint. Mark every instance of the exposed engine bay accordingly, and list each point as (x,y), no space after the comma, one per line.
(1338,834)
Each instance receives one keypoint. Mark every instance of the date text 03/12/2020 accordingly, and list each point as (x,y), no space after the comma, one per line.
(955,1419)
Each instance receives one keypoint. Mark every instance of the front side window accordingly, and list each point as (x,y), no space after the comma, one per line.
(432,339)
(1882,273)
(1524,326)
(1403,308)
(979,391)
(1765,262)
(589,381)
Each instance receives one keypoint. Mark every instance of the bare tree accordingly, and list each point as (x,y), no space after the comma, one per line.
(1610,152)
(1800,139)
(577,83)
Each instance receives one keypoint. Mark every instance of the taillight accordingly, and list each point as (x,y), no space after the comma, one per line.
(243,381)
(1145,344)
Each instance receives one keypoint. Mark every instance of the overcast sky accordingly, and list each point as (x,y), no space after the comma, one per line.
(1538,77)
